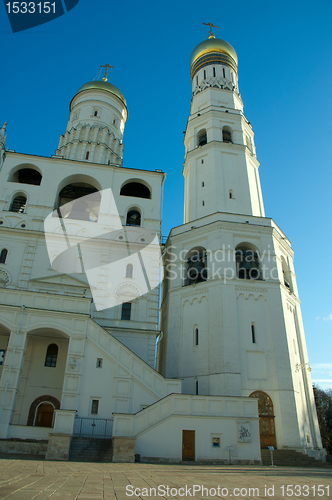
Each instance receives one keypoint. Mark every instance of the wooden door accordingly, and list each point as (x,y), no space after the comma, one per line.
(267,432)
(188,446)
(44,416)
(266,419)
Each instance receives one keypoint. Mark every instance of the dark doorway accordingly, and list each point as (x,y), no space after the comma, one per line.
(188,446)
(44,417)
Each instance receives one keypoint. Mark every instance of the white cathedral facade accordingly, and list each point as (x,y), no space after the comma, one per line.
(230,374)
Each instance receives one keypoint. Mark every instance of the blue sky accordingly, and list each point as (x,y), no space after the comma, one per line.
(285,79)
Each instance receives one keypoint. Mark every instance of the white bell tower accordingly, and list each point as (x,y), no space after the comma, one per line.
(230,312)
(221,168)
(98,114)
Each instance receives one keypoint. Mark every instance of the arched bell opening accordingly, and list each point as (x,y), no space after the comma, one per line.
(247,262)
(134,217)
(287,280)
(135,189)
(79,201)
(227,134)
(196,266)
(26,175)
(266,419)
(202,137)
(18,203)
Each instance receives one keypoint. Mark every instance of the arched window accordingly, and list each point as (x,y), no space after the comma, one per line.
(227,134)
(3,255)
(136,190)
(126,311)
(18,204)
(26,176)
(133,218)
(51,355)
(253,334)
(196,266)
(201,137)
(79,201)
(247,262)
(129,271)
(196,335)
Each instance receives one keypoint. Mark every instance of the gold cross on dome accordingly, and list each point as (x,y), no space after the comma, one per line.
(106,66)
(211,26)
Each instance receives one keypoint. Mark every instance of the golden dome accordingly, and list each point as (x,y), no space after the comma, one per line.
(210,51)
(101,85)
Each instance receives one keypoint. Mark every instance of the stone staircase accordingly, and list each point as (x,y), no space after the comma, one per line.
(88,449)
(291,458)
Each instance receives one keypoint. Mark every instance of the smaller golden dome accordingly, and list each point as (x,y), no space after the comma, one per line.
(213,50)
(101,85)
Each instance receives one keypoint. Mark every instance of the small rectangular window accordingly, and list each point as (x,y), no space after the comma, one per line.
(196,335)
(94,406)
(214,71)
(202,184)
(223,73)
(196,80)
(204,74)
(126,311)
(196,387)
(203,203)
(202,162)
(99,363)
(216,442)
(253,334)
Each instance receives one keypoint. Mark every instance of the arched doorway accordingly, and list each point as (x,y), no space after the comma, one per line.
(44,415)
(266,419)
(41,411)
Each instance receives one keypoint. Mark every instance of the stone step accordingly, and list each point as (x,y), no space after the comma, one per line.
(90,450)
(291,458)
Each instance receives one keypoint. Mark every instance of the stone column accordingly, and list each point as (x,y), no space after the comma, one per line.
(11,377)
(73,373)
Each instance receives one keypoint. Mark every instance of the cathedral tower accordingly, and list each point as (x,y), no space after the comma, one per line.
(230,313)
(98,114)
(223,175)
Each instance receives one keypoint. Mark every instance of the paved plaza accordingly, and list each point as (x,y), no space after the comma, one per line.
(41,480)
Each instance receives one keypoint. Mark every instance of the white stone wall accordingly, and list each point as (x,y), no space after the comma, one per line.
(226,361)
(26,245)
(158,429)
